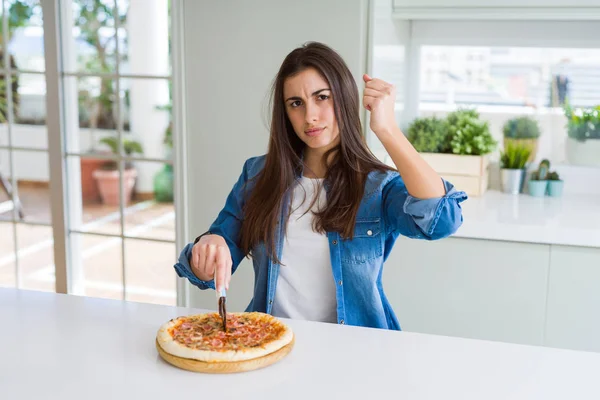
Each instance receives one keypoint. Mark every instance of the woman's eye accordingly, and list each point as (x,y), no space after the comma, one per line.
(323,97)
(294,104)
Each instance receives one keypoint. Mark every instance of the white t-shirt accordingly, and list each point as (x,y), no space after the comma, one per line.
(305,286)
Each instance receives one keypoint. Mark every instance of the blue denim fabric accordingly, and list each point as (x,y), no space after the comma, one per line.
(386,211)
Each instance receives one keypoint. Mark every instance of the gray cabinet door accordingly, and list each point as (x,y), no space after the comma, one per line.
(574,298)
(469,288)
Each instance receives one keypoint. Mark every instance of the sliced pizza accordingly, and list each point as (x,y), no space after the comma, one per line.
(201,337)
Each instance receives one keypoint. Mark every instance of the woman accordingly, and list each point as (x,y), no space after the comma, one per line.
(319,214)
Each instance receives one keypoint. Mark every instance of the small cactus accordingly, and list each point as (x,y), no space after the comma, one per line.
(543,169)
(553,176)
(542,172)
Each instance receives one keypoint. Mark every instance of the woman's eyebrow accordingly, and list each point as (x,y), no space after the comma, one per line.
(313,94)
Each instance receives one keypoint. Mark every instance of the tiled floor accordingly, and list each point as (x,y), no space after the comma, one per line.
(149,274)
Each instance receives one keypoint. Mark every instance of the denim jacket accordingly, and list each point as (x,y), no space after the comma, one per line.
(386,211)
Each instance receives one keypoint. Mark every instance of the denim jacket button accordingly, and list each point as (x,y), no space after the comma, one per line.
(341,322)
(369,232)
(340,282)
(334,242)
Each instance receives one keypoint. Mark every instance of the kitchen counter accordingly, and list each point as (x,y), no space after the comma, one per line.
(66,347)
(570,220)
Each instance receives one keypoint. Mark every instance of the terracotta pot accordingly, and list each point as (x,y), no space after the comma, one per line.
(89,188)
(108,184)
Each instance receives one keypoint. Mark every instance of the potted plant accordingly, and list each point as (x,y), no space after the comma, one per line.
(522,130)
(469,135)
(555,184)
(538,182)
(163,180)
(108,175)
(457,148)
(512,167)
(583,130)
(429,135)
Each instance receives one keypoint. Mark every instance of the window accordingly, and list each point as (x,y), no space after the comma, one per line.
(509,76)
(118,137)
(26,244)
(117,131)
(503,68)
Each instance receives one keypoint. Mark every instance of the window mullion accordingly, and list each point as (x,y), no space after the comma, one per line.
(182,234)
(54,122)
(121,147)
(10,121)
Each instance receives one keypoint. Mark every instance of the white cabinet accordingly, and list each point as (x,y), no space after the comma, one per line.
(496,290)
(574,298)
(469,288)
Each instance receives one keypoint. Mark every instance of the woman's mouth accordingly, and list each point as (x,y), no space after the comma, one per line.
(313,132)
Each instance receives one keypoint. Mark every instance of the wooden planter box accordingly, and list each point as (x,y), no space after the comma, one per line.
(467,173)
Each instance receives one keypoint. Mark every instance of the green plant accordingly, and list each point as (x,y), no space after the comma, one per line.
(168,138)
(19,14)
(4,94)
(514,156)
(469,135)
(541,173)
(553,176)
(92,17)
(582,123)
(521,128)
(429,134)
(129,147)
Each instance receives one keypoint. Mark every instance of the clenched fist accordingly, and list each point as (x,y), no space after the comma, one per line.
(379,98)
(211,259)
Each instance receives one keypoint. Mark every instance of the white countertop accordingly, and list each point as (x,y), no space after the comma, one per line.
(570,220)
(66,347)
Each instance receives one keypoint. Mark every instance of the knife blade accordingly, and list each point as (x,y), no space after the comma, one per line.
(222,303)
(223,310)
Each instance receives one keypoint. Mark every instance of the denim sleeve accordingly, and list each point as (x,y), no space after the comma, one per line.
(184,270)
(430,219)
(227,224)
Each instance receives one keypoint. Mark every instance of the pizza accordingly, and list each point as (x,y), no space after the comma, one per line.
(201,337)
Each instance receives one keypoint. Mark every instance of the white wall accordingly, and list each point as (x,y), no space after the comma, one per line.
(233,50)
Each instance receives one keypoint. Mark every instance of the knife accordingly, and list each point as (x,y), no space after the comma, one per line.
(221,301)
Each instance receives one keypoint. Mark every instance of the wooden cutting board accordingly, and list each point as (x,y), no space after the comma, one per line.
(225,367)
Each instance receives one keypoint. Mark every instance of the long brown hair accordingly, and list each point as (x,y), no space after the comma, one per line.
(348,164)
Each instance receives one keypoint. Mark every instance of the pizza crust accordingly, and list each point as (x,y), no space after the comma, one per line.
(169,345)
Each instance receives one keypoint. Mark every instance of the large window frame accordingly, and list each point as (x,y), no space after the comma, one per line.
(497,33)
(10,148)
(412,33)
(58,99)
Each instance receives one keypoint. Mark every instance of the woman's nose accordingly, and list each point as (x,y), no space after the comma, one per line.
(312,113)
